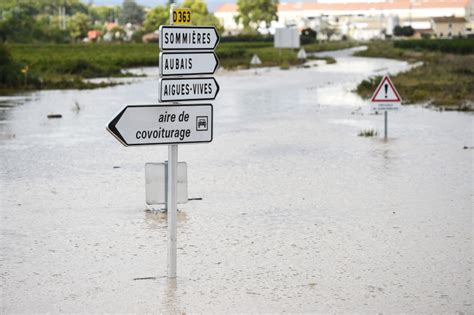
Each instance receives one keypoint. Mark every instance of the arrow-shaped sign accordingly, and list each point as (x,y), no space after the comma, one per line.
(157,124)
(188,89)
(188,38)
(184,63)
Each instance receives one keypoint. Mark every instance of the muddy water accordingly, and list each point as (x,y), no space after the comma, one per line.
(299,214)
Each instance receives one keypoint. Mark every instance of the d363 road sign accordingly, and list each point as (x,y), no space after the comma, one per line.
(188,37)
(157,124)
(182,16)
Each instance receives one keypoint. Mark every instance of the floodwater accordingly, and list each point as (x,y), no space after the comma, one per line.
(298,213)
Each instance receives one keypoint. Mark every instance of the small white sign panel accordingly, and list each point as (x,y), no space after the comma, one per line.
(188,63)
(155,183)
(188,37)
(157,124)
(288,37)
(192,89)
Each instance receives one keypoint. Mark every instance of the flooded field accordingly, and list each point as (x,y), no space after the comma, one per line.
(299,214)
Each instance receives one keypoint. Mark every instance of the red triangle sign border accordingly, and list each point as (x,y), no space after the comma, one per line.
(395,92)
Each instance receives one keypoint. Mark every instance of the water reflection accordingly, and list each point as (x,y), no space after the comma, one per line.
(158,219)
(171,299)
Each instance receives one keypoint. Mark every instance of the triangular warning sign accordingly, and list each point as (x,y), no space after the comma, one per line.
(386,92)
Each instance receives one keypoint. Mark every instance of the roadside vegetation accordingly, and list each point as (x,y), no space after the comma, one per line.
(64,66)
(444,79)
(367,133)
(238,54)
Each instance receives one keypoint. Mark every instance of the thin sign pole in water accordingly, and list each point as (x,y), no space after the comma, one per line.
(172,197)
(386,126)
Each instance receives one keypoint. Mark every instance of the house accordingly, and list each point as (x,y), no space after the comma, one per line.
(226,14)
(448,27)
(378,15)
(94,35)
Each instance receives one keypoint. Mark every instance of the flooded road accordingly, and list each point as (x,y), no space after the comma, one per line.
(299,214)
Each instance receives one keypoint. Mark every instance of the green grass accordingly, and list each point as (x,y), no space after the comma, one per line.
(329,60)
(453,46)
(444,80)
(329,46)
(63,66)
(237,55)
(367,133)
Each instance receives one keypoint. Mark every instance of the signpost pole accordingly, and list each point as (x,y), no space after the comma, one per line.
(172,209)
(386,125)
(172,200)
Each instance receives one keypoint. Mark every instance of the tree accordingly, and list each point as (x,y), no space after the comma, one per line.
(253,12)
(103,13)
(131,13)
(17,26)
(308,36)
(79,25)
(406,31)
(157,16)
(328,29)
(200,14)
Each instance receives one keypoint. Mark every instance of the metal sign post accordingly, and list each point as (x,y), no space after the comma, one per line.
(173,62)
(172,200)
(386,126)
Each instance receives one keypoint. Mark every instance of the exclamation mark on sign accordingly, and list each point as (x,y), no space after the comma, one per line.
(386,89)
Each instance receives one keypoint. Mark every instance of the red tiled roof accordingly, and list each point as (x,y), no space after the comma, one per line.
(449,19)
(354,6)
(227,7)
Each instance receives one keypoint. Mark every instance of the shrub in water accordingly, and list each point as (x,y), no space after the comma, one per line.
(367,133)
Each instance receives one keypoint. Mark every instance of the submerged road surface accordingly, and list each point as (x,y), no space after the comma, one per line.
(299,214)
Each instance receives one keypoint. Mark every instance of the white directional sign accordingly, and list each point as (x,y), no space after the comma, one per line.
(184,89)
(386,96)
(188,63)
(157,124)
(188,37)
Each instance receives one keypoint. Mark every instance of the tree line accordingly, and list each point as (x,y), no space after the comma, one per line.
(65,21)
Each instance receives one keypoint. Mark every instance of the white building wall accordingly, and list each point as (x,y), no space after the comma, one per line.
(311,18)
(227,20)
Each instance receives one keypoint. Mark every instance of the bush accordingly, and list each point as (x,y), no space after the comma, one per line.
(308,36)
(247,38)
(367,87)
(367,133)
(454,46)
(10,72)
(405,31)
